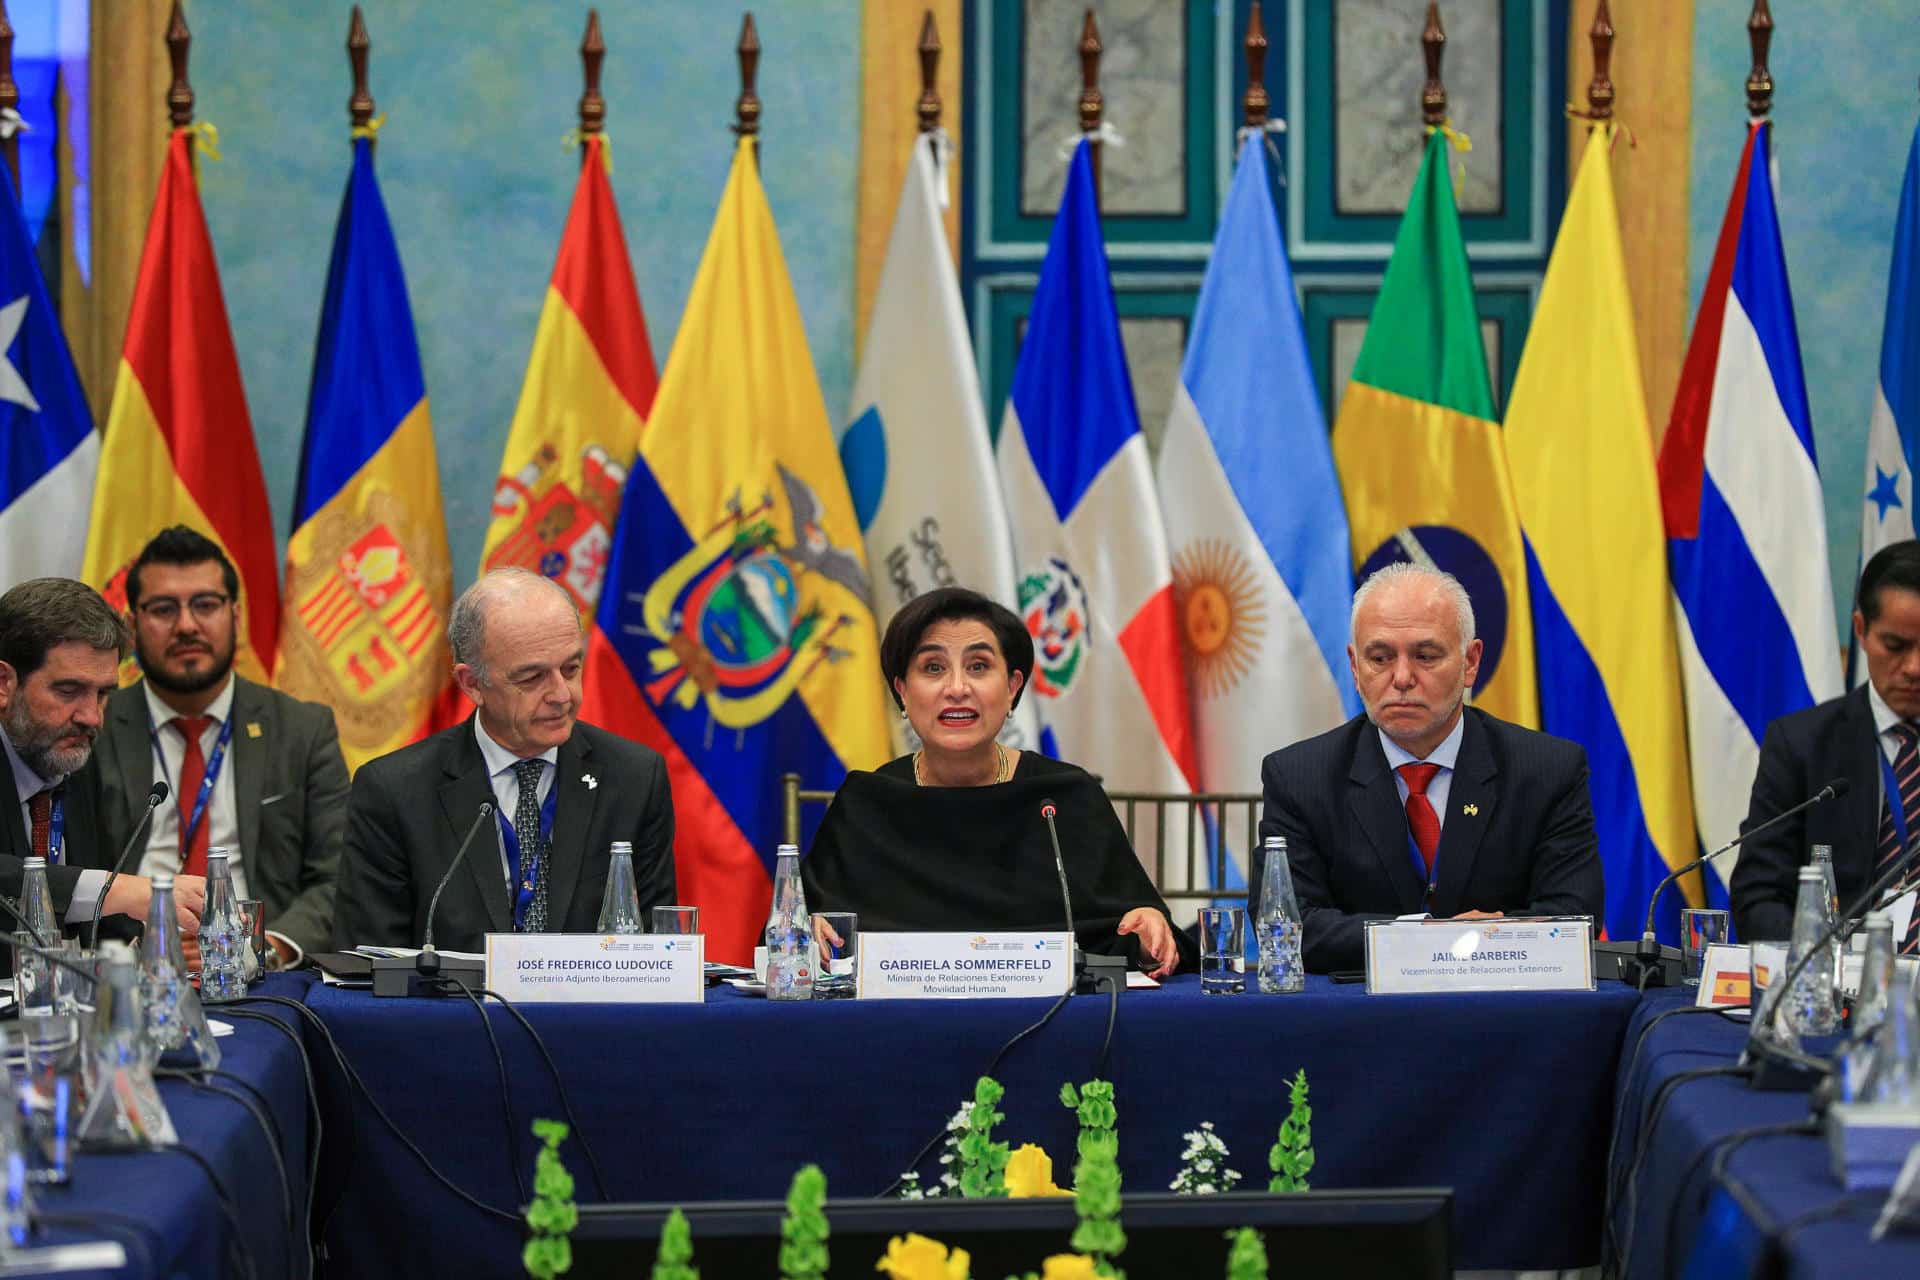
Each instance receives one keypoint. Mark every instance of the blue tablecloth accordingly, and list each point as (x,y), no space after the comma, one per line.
(1681,1223)
(160,1205)
(1503,1098)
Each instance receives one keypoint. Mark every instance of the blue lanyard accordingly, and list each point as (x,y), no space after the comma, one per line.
(211,776)
(524,878)
(1895,805)
(56,830)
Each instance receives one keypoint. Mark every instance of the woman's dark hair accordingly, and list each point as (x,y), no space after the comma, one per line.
(954,604)
(1895,565)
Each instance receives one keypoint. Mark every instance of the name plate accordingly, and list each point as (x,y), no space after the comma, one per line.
(1519,954)
(963,966)
(593,968)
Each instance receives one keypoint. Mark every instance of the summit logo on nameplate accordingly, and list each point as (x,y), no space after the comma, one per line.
(597,968)
(963,966)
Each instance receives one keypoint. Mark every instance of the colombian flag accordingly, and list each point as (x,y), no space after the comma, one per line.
(368,581)
(735,636)
(1583,471)
(589,388)
(1419,452)
(179,445)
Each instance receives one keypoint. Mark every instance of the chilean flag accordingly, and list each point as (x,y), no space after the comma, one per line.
(1093,574)
(1746,525)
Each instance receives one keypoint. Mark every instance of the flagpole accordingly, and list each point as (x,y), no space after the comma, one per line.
(593,107)
(360,104)
(929,107)
(1255,105)
(180,93)
(1433,44)
(747,106)
(1760,79)
(1092,104)
(1600,88)
(9,100)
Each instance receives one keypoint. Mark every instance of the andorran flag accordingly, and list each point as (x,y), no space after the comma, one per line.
(179,444)
(1421,461)
(736,635)
(368,582)
(589,387)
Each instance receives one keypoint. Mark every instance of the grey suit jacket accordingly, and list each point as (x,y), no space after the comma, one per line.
(289,784)
(410,810)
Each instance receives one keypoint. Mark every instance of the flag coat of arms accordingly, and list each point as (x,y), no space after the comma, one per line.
(1421,460)
(178,446)
(735,634)
(51,450)
(589,387)
(1258,530)
(1581,453)
(918,458)
(368,579)
(1745,519)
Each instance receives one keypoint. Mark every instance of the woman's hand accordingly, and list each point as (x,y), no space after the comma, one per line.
(825,939)
(1156,938)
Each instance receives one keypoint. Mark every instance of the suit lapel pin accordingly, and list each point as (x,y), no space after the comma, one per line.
(1471,810)
(253,729)
(591,781)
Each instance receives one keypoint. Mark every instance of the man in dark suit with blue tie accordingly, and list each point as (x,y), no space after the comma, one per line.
(1424,804)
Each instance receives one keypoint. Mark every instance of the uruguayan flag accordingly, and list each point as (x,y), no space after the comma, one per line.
(1255,521)
(1746,525)
(918,458)
(49,450)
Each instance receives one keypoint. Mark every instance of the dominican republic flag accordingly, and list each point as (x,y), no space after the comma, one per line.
(50,450)
(1886,515)
(1095,583)
(1746,527)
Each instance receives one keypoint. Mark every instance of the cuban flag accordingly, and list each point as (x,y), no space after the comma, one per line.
(1255,519)
(1095,582)
(49,450)
(1886,515)
(1746,526)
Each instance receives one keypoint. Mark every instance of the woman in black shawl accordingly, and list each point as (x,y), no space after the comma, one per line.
(952,837)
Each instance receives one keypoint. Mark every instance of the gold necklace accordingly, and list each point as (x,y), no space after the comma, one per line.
(1000,769)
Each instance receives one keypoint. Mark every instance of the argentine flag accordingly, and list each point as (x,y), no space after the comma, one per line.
(1746,525)
(49,450)
(918,458)
(1255,521)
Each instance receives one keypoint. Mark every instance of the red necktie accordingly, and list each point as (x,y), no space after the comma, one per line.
(193,770)
(1422,821)
(40,809)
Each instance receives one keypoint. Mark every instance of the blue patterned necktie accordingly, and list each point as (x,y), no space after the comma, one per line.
(533,846)
(1906,772)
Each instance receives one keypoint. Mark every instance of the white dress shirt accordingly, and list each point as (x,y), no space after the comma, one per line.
(27,784)
(223,808)
(1443,755)
(506,786)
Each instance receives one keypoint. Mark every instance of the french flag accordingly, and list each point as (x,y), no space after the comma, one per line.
(1746,526)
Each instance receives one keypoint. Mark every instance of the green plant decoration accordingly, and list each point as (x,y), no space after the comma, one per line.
(674,1261)
(983,1162)
(552,1216)
(1247,1256)
(1291,1158)
(803,1232)
(1096,1176)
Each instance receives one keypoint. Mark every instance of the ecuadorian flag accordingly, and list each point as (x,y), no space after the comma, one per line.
(735,634)
(368,581)
(1583,471)
(179,444)
(1419,452)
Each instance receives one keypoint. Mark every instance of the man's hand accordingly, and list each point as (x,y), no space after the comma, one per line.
(1479,915)
(1156,938)
(130,895)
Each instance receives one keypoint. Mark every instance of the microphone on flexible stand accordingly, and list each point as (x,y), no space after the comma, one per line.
(1648,964)
(1091,972)
(155,796)
(421,974)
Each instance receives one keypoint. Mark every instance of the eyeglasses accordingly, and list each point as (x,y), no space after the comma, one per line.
(166,610)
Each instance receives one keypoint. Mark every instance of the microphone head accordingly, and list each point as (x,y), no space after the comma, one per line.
(486,808)
(1837,788)
(1047,810)
(157,794)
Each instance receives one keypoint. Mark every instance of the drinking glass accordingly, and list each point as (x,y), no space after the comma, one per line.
(676,919)
(1223,964)
(48,1091)
(838,960)
(72,988)
(253,926)
(1700,928)
(32,977)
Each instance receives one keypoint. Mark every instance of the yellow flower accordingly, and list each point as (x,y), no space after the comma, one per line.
(1068,1266)
(920,1258)
(1030,1173)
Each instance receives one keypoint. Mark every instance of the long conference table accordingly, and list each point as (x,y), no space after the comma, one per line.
(1510,1100)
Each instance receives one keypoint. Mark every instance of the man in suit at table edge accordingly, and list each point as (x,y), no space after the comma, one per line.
(1866,736)
(1424,804)
(562,791)
(269,764)
(60,651)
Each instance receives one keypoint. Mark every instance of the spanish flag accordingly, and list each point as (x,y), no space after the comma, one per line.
(589,388)
(735,636)
(179,444)
(368,580)
(1419,452)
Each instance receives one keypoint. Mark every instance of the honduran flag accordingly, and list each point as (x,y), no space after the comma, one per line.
(1746,526)
(1095,579)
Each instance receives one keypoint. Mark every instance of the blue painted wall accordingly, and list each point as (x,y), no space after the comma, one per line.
(1845,105)
(477,95)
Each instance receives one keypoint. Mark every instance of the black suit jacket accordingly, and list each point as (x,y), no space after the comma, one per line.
(1800,754)
(1527,848)
(80,806)
(408,812)
(289,790)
